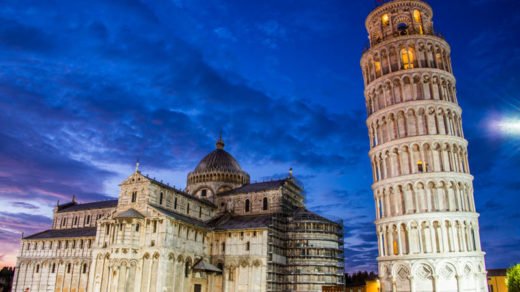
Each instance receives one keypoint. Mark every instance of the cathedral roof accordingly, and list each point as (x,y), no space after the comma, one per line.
(202,265)
(61,233)
(302,214)
(218,160)
(180,217)
(87,206)
(130,213)
(257,187)
(228,221)
(180,192)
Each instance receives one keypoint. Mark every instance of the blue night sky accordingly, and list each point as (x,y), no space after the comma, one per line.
(88,87)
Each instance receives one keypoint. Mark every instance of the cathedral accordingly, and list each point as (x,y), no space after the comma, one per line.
(426,221)
(222,233)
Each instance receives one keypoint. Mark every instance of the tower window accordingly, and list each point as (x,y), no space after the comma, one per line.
(53,270)
(134,197)
(417,18)
(203,193)
(248,246)
(161,195)
(200,212)
(188,209)
(385,20)
(402,27)
(187,269)
(223,247)
(248,207)
(154,226)
(84,268)
(37,268)
(69,266)
(175,203)
(265,204)
(87,220)
(137,228)
(408,58)
(420,166)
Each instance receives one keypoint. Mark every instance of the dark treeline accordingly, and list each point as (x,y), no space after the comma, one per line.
(6,278)
(359,278)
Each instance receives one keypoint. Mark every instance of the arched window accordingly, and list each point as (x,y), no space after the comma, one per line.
(187,269)
(53,269)
(417,18)
(161,195)
(84,268)
(69,267)
(421,166)
(407,58)
(37,268)
(402,28)
(137,228)
(385,20)
(247,205)
(265,204)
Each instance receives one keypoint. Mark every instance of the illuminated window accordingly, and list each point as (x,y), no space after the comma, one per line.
(417,18)
(377,67)
(438,59)
(407,58)
(420,166)
(385,20)
(396,248)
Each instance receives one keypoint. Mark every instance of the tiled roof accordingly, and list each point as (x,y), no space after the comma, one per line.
(180,217)
(256,187)
(130,213)
(61,233)
(228,222)
(303,214)
(202,265)
(88,206)
(218,160)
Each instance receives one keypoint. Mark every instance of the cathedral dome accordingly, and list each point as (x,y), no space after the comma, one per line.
(216,172)
(218,160)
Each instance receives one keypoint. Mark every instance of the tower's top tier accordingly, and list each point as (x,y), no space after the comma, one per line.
(397,18)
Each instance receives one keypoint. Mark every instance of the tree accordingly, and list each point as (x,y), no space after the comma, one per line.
(513,278)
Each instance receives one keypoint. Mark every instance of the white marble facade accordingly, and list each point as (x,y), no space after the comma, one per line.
(427,225)
(221,234)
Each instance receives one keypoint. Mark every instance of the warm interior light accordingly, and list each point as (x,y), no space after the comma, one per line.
(385,19)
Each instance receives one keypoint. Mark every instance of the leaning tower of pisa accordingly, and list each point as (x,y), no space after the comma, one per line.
(426,221)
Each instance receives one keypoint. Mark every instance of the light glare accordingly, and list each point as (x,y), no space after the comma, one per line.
(510,126)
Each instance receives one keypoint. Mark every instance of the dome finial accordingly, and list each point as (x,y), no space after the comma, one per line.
(220,142)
